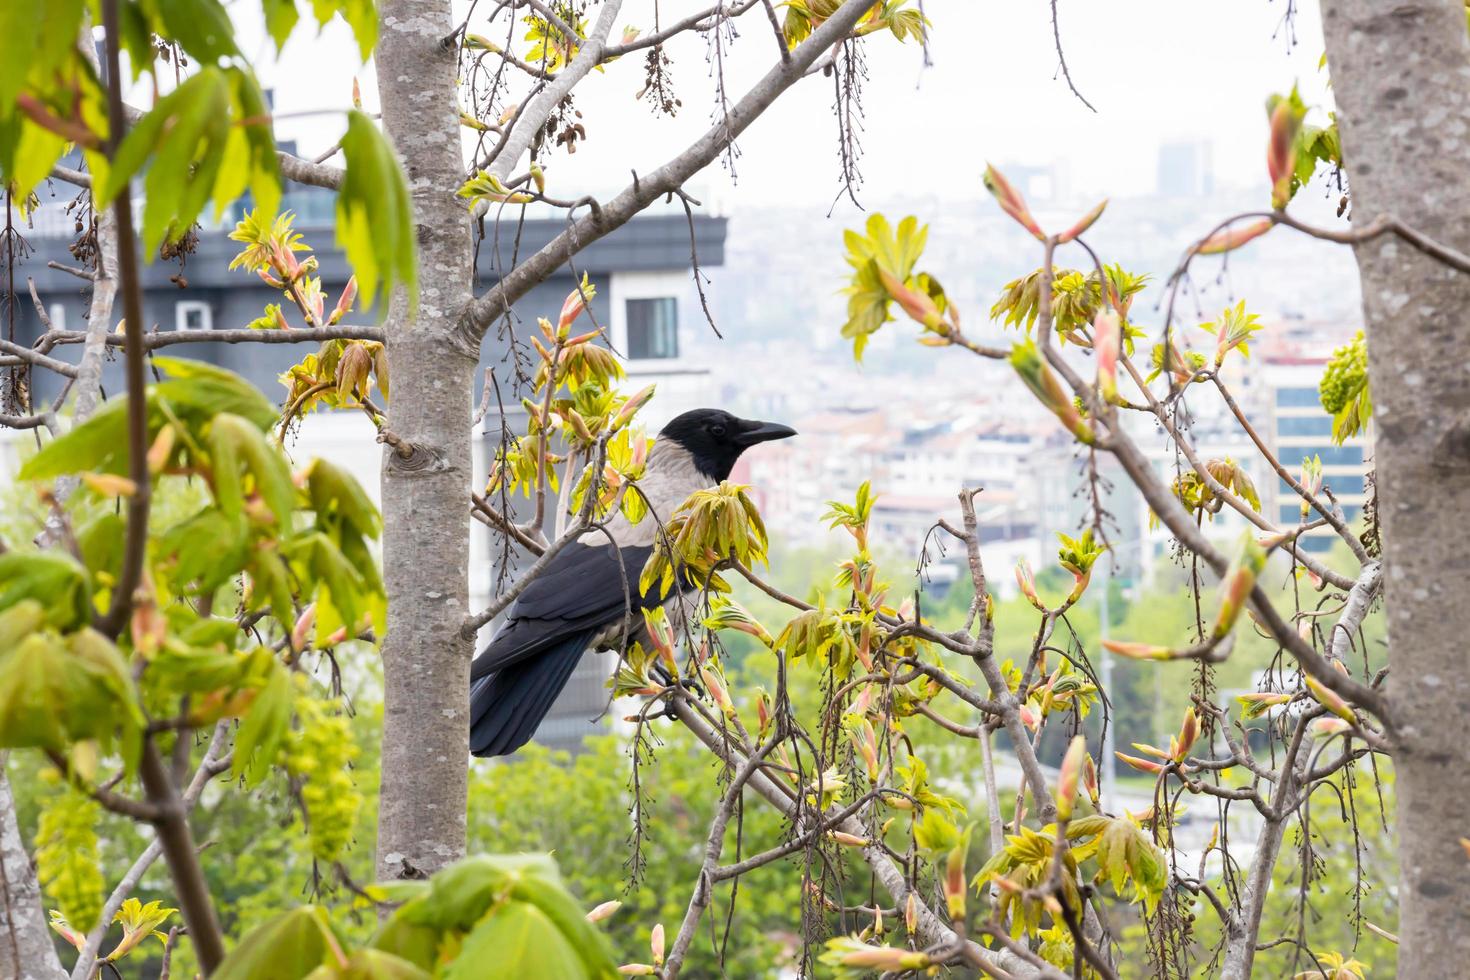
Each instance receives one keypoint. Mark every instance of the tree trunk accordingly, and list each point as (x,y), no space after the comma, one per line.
(426,659)
(1401,79)
(26,952)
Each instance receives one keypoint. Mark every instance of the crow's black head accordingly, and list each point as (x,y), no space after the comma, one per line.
(715,439)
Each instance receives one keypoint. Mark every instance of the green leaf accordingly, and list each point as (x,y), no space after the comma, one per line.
(99,444)
(375,215)
(239,448)
(36,37)
(461,893)
(36,150)
(936,833)
(208,550)
(288,947)
(360,15)
(206,389)
(54,690)
(371,964)
(53,579)
(202,28)
(552,899)
(250,152)
(515,941)
(338,498)
(264,726)
(280,19)
(214,115)
(419,944)
(100,541)
(271,585)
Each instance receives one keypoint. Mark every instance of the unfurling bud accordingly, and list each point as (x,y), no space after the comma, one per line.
(148,627)
(866,742)
(1311,481)
(574,304)
(1142,765)
(1331,700)
(1230,239)
(851,840)
(539,177)
(716,688)
(637,970)
(954,878)
(110,484)
(1085,223)
(66,930)
(162,448)
(302,629)
(853,952)
(911,914)
(656,944)
(577,424)
(1069,776)
(661,638)
(1138,651)
(1107,341)
(1027,582)
(919,305)
(1236,586)
(1038,376)
(1089,778)
(1011,201)
(356,94)
(1326,727)
(1286,122)
(344,303)
(631,407)
(1188,734)
(470,122)
(603,911)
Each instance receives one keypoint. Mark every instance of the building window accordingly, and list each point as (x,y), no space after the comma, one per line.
(193,315)
(1345,485)
(1297,398)
(653,328)
(56,313)
(1305,425)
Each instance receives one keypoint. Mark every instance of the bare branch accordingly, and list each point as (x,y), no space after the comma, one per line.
(215,761)
(648,188)
(309,172)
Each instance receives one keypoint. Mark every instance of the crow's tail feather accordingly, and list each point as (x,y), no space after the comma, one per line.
(507,707)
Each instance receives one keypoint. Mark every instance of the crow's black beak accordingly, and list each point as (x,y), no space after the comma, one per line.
(752,432)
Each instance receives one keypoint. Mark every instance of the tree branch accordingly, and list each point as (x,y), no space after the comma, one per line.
(931,928)
(648,188)
(215,761)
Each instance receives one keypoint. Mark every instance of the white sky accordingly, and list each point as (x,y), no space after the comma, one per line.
(1157,70)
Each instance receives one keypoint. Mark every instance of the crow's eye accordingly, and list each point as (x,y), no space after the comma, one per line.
(717,430)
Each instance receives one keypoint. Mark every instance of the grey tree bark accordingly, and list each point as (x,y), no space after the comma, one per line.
(1401,79)
(26,952)
(426,480)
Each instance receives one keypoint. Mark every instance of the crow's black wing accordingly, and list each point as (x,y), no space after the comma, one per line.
(582,589)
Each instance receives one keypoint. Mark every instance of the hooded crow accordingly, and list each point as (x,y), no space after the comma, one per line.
(587,598)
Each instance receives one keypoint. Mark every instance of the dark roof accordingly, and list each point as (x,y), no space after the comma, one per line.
(647,243)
